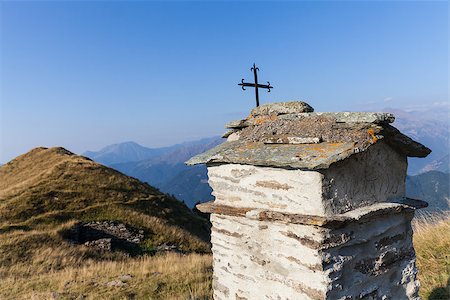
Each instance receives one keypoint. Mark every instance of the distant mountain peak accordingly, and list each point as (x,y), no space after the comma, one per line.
(130,151)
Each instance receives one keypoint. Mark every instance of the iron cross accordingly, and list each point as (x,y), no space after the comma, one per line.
(256,85)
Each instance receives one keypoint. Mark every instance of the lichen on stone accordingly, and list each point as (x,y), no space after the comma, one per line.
(325,128)
(280,108)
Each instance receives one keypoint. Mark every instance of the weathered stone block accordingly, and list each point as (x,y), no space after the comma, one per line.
(269,260)
(293,191)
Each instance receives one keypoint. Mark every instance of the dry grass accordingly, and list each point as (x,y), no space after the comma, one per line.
(169,276)
(40,264)
(432,244)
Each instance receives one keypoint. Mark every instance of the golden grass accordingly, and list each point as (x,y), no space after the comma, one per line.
(40,264)
(46,191)
(432,245)
(170,276)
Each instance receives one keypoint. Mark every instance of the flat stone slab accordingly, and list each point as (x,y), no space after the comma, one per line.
(237,124)
(334,221)
(297,156)
(339,117)
(290,140)
(353,117)
(291,135)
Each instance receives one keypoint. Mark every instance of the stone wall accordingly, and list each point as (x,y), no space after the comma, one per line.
(375,259)
(271,260)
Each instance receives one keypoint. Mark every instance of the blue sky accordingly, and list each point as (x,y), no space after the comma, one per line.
(86,74)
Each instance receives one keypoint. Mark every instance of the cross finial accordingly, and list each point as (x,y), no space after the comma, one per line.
(267,86)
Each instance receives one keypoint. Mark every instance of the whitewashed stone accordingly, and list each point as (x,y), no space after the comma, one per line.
(292,191)
(269,260)
(233,137)
(369,257)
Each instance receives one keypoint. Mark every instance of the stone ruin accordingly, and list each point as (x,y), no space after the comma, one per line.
(312,206)
(113,236)
(105,236)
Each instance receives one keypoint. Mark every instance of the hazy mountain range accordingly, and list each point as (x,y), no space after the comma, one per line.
(164,168)
(126,152)
(441,165)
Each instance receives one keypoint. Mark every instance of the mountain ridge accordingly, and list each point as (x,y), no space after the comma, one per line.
(162,171)
(53,186)
(441,165)
(130,152)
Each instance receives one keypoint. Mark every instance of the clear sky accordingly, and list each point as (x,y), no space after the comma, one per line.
(83,74)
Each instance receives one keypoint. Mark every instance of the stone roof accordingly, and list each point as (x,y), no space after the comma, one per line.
(292,135)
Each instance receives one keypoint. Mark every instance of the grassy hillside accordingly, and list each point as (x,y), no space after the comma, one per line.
(169,276)
(45,188)
(46,194)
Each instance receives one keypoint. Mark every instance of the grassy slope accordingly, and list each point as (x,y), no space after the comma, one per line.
(46,188)
(169,276)
(46,191)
